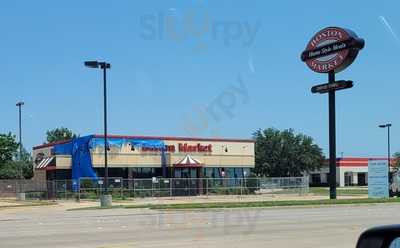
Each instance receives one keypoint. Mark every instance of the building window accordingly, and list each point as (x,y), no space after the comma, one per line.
(361,178)
(235,173)
(144,172)
(246,172)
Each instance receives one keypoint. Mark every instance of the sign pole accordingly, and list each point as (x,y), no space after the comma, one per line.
(332,139)
(332,50)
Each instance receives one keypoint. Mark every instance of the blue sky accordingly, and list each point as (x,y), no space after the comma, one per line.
(188,84)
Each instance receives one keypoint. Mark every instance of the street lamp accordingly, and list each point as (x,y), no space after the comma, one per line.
(387,125)
(19,105)
(104,66)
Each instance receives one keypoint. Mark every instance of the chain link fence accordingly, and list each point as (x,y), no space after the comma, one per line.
(35,189)
(154,187)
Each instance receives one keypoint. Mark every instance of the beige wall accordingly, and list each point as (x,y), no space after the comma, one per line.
(63,162)
(239,154)
(46,151)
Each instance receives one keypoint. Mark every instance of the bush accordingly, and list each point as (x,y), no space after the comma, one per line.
(41,195)
(251,184)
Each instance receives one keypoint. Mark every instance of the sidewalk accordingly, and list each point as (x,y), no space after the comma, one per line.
(71,204)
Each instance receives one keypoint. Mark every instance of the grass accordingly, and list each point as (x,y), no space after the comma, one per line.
(265,204)
(340,191)
(258,204)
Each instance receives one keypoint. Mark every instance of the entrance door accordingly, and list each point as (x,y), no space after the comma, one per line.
(362,179)
(348,179)
(186,172)
(186,181)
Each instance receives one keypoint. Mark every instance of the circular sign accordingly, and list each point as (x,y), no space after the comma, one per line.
(332,50)
(39,157)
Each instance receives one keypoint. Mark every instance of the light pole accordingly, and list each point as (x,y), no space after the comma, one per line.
(387,125)
(19,105)
(104,66)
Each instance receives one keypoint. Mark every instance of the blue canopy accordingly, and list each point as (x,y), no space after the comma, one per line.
(147,143)
(119,142)
(79,149)
(82,165)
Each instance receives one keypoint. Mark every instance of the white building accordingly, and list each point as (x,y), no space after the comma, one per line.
(349,172)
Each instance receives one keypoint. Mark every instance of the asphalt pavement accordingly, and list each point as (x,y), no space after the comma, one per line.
(327,226)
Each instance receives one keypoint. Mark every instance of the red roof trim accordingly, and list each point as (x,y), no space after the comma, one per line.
(175,138)
(50,144)
(51,168)
(355,165)
(356,162)
(47,168)
(360,159)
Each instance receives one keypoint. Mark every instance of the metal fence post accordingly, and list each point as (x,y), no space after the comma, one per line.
(121,186)
(241,186)
(54,190)
(170,187)
(207,186)
(16,187)
(133,187)
(65,189)
(79,191)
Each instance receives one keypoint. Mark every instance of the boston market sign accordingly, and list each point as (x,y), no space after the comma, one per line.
(182,147)
(332,50)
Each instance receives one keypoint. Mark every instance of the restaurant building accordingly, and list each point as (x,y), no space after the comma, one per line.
(144,157)
(350,171)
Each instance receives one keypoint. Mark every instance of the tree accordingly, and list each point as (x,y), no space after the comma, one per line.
(26,164)
(59,134)
(283,153)
(13,169)
(397,161)
(9,168)
(8,147)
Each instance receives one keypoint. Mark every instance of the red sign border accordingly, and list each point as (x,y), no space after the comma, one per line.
(346,56)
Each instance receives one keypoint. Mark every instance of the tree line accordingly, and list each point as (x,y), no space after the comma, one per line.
(14,166)
(285,154)
(277,153)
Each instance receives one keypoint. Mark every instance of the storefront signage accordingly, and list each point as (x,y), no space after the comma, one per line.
(39,157)
(332,49)
(194,148)
(182,147)
(338,85)
(378,183)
